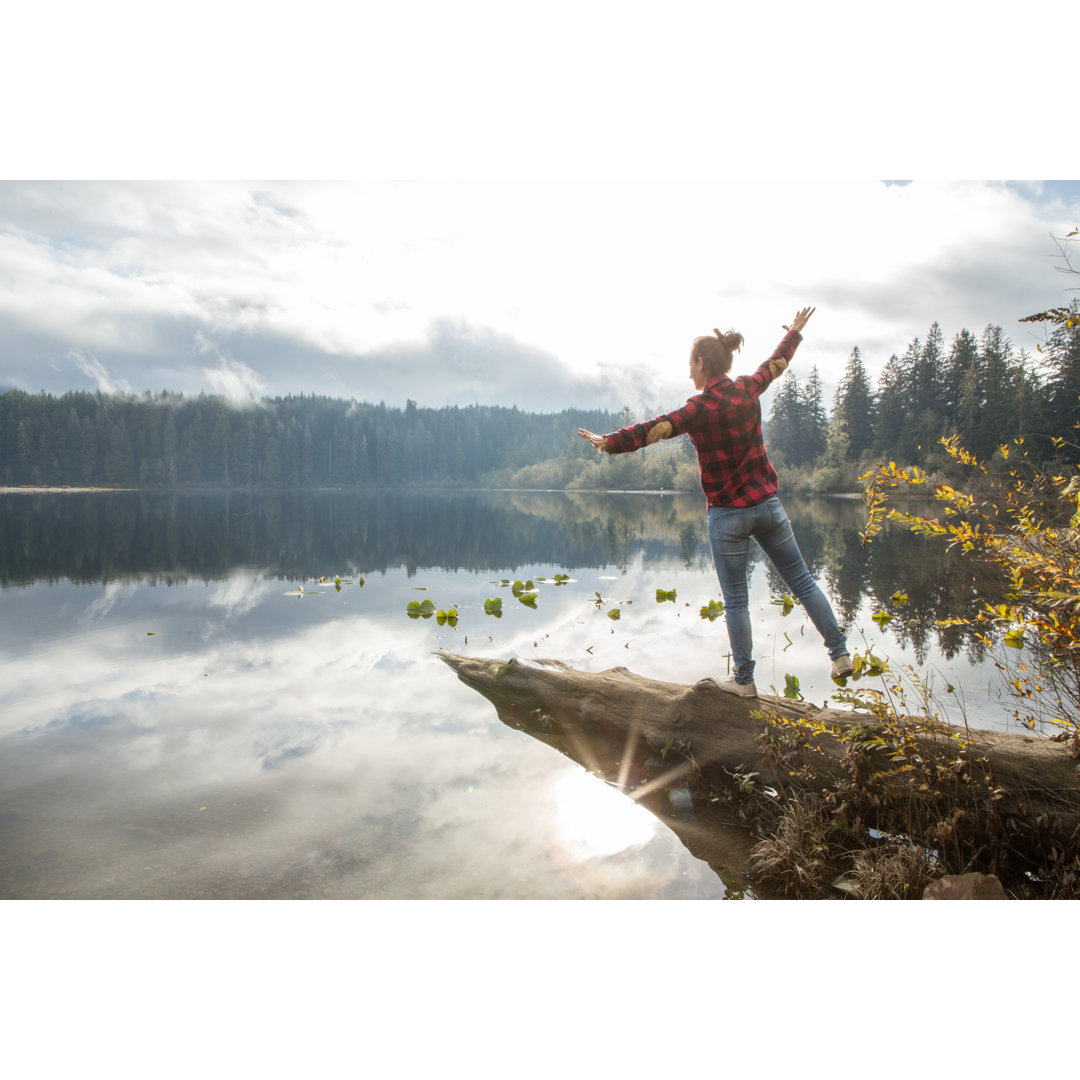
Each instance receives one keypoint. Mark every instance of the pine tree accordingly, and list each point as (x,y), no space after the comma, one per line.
(838,441)
(815,423)
(855,403)
(892,436)
(999,406)
(963,392)
(1061,355)
(785,420)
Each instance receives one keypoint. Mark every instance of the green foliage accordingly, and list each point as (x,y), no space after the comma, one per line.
(1019,522)
(712,610)
(664,595)
(296,441)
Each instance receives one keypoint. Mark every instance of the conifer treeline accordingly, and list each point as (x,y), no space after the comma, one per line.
(167,440)
(983,390)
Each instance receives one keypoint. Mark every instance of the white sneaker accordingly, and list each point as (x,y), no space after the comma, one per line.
(842,667)
(732,687)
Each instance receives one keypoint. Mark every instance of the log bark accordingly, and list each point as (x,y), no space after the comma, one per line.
(620,724)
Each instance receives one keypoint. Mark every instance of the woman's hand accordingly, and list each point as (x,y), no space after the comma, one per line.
(801,319)
(599,441)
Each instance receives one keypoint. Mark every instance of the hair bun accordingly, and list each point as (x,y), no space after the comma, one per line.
(731,340)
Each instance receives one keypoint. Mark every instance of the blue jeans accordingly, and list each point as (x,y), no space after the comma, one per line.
(730,529)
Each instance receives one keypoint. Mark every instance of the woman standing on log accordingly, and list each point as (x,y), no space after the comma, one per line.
(724,422)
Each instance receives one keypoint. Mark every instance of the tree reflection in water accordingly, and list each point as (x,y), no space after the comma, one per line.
(101,537)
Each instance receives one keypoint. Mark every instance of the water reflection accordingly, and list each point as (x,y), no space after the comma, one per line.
(172,724)
(173,538)
(238,743)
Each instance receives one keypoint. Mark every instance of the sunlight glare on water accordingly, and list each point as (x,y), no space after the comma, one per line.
(596,819)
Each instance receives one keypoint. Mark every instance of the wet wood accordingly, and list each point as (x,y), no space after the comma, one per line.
(616,721)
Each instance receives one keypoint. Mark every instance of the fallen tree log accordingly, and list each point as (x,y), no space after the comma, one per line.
(649,735)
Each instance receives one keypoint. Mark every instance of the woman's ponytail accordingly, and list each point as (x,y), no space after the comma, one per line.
(715,352)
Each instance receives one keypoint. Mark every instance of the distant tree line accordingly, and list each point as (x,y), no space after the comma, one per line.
(167,440)
(981,389)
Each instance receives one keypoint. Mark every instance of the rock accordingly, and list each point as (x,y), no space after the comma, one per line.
(965,887)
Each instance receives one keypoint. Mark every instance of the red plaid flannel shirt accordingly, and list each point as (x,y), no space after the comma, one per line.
(724,423)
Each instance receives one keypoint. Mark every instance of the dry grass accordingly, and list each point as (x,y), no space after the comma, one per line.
(896,870)
(799,856)
(807,852)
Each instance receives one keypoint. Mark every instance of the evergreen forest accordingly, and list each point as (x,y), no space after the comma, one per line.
(982,389)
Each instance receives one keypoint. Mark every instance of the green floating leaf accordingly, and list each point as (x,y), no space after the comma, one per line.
(614,613)
(791,687)
(713,610)
(881,617)
(448,616)
(528,599)
(493,607)
(785,602)
(561,579)
(417,610)
(899,597)
(361,581)
(1015,639)
(665,594)
(520,587)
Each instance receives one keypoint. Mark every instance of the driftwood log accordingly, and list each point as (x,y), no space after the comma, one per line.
(645,735)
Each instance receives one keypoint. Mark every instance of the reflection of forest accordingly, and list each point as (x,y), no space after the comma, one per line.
(939,584)
(99,537)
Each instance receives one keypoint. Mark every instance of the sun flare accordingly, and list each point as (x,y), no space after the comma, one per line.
(596,818)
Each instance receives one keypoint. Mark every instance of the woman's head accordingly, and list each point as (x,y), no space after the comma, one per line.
(712,356)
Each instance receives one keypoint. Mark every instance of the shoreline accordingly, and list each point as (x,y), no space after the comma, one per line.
(64,489)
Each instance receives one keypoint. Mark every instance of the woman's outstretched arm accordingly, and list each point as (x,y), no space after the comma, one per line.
(657,429)
(800,320)
(599,442)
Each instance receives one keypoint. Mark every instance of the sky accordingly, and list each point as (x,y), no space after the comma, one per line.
(465,203)
(544,295)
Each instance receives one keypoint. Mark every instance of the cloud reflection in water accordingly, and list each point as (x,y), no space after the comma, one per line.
(231,742)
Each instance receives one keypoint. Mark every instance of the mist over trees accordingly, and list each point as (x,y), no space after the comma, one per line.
(166,440)
(982,389)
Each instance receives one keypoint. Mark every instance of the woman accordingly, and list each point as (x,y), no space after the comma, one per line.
(724,422)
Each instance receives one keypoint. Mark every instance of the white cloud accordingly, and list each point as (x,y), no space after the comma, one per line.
(602,286)
(94,370)
(232,379)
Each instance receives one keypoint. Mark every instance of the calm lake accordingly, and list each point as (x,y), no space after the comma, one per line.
(192,708)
